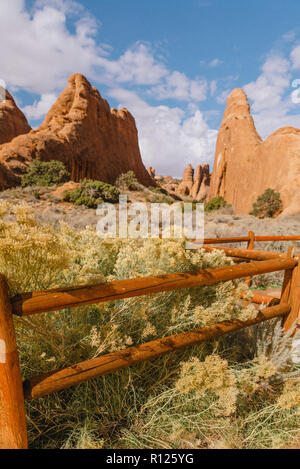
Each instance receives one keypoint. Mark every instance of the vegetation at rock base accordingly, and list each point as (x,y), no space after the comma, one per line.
(215,204)
(235,392)
(92,193)
(45,173)
(268,205)
(128,181)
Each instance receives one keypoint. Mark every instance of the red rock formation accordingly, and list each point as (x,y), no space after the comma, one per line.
(186,184)
(204,189)
(82,131)
(201,183)
(196,187)
(12,120)
(151,172)
(245,166)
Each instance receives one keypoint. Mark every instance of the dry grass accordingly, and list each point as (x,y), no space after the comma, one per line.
(171,402)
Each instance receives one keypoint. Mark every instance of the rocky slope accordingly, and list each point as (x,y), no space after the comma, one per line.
(82,131)
(245,165)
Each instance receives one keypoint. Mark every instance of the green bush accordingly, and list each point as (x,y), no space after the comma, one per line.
(45,173)
(215,204)
(128,181)
(158,190)
(92,193)
(268,204)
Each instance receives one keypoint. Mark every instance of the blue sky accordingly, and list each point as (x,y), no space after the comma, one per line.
(172,63)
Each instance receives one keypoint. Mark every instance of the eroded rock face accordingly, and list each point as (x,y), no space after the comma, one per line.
(196,187)
(245,166)
(12,120)
(187,182)
(151,172)
(200,187)
(82,131)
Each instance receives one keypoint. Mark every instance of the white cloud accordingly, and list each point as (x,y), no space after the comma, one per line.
(295,57)
(139,66)
(178,86)
(267,91)
(169,138)
(40,51)
(222,97)
(39,108)
(215,63)
(213,87)
(271,94)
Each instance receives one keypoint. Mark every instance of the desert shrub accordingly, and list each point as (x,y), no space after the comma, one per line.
(128,181)
(268,204)
(215,204)
(159,190)
(159,403)
(45,173)
(92,193)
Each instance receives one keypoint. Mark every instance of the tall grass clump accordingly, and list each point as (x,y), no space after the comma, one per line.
(230,392)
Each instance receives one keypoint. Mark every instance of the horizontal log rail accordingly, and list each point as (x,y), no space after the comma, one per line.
(241,239)
(54,300)
(84,371)
(260,298)
(13,432)
(245,253)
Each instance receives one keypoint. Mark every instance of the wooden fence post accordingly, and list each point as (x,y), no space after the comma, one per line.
(13,433)
(250,246)
(291,289)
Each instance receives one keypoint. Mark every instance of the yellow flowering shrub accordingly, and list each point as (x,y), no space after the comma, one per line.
(212,376)
(290,397)
(149,405)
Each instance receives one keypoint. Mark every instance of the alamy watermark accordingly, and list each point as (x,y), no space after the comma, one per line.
(152,220)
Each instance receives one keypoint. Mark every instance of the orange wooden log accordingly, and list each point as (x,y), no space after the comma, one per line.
(54,300)
(287,279)
(277,238)
(294,300)
(42,385)
(250,246)
(260,298)
(246,254)
(251,241)
(237,239)
(13,433)
(240,239)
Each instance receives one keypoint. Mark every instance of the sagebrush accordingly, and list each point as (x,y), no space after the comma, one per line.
(45,173)
(268,204)
(92,193)
(219,394)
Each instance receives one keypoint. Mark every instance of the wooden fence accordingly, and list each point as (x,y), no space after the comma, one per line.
(13,433)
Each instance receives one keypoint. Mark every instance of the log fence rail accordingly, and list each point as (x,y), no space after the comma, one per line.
(13,433)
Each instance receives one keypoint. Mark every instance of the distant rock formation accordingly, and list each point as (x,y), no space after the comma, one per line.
(82,131)
(151,172)
(12,120)
(245,166)
(200,187)
(187,182)
(196,187)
